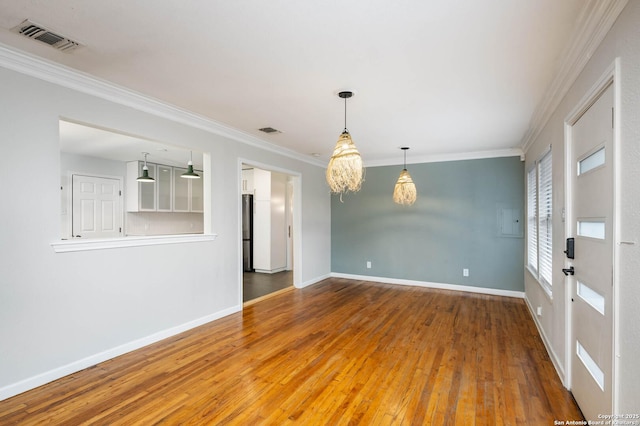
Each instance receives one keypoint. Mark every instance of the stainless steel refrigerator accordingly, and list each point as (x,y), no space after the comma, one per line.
(247,233)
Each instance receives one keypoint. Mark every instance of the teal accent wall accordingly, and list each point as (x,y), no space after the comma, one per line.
(456,223)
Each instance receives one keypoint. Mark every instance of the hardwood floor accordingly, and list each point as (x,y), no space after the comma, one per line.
(339,352)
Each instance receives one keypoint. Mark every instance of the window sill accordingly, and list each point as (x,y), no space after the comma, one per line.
(65,246)
(547,292)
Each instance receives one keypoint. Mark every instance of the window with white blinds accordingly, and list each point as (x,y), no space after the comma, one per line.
(539,223)
(532,220)
(545,240)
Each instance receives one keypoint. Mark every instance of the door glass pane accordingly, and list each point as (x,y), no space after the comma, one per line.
(592,297)
(591,365)
(591,229)
(591,162)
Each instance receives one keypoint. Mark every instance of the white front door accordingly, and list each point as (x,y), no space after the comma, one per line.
(591,222)
(96,209)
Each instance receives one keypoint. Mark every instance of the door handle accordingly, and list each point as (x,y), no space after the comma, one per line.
(569,271)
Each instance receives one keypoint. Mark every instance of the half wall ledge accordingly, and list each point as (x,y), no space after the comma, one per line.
(65,246)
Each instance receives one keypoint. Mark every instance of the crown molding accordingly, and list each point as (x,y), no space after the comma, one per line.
(594,23)
(476,155)
(60,75)
(88,84)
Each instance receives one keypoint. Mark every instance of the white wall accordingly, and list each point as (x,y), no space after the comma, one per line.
(63,311)
(622,41)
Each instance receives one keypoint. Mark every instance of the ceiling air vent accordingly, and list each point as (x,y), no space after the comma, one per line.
(40,33)
(269,130)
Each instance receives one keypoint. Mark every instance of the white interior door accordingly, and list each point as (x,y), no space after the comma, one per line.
(591,189)
(97,211)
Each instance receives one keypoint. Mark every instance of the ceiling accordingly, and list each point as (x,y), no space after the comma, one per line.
(443,77)
(115,146)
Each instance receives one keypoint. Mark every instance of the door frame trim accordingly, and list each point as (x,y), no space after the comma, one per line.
(611,77)
(296,179)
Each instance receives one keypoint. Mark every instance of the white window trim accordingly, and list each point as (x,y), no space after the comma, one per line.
(546,286)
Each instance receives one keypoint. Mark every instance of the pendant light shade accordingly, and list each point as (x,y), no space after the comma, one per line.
(405,190)
(345,172)
(190,174)
(145,171)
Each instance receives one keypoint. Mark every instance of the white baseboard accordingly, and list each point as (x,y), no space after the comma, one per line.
(270,271)
(57,373)
(313,281)
(456,287)
(547,344)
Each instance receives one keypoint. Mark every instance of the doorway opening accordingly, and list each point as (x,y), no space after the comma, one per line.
(267,230)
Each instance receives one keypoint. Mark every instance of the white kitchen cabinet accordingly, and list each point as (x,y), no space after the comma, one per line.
(261,184)
(247,181)
(180,191)
(163,187)
(168,193)
(187,193)
(140,196)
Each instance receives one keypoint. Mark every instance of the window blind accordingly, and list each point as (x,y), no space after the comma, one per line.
(545,229)
(532,220)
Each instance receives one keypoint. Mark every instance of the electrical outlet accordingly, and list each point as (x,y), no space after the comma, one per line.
(465,272)
(368,264)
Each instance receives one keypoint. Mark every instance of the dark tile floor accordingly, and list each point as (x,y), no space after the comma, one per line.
(256,285)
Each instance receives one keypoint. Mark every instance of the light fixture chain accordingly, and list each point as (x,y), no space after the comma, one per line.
(345,113)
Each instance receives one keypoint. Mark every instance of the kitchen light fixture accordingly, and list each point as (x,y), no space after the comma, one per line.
(145,171)
(345,172)
(190,174)
(405,190)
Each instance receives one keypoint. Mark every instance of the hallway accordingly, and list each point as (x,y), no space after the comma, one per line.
(256,285)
